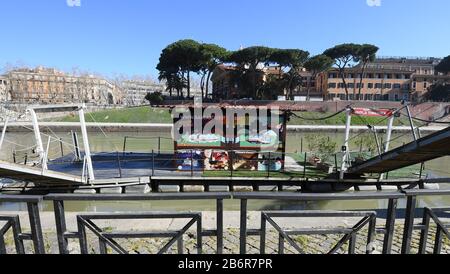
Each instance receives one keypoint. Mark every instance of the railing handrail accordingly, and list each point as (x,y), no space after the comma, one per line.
(318,196)
(138,197)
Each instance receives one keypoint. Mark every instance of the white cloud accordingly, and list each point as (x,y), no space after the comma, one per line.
(74,3)
(374,3)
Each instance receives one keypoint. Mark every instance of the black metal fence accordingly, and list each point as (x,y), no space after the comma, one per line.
(107,239)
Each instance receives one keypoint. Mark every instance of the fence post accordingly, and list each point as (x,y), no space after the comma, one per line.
(61,228)
(118,163)
(36,229)
(243,227)
(219,208)
(268,167)
(61,147)
(409,223)
(192,163)
(390,225)
(124,144)
(304,165)
(153,162)
(159,145)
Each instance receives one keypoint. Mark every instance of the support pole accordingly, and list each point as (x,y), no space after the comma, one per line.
(37,136)
(389,133)
(76,146)
(411,122)
(45,161)
(87,150)
(346,142)
(388,138)
(5,125)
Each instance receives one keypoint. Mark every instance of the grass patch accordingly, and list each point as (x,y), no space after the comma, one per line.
(128,115)
(162,115)
(341,119)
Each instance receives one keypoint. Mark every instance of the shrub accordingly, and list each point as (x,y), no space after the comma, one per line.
(155,98)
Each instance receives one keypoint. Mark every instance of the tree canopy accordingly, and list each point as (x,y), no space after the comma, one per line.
(444,65)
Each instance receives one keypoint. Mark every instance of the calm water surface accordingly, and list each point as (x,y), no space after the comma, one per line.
(145,143)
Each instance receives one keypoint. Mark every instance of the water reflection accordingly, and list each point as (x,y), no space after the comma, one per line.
(115,142)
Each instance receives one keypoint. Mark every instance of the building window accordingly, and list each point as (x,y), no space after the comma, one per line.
(332,75)
(350,75)
(378,85)
(341,85)
(414,85)
(388,85)
(425,85)
(370,76)
(397,86)
(331,85)
(358,85)
(370,85)
(351,85)
(406,87)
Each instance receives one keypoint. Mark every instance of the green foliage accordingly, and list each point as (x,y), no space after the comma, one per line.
(347,55)
(155,98)
(318,63)
(444,65)
(251,56)
(368,143)
(366,53)
(439,93)
(343,54)
(292,58)
(321,146)
(129,115)
(178,60)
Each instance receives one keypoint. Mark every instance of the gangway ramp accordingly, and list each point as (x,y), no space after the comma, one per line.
(36,175)
(428,148)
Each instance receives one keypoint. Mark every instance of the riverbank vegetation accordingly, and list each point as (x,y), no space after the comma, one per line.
(161,115)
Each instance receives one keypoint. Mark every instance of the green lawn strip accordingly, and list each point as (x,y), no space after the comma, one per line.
(162,115)
(128,115)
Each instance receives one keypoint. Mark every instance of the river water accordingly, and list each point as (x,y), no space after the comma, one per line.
(148,141)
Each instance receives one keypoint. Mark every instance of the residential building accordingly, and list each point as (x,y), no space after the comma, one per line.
(50,86)
(418,65)
(136,90)
(387,79)
(226,85)
(378,84)
(4,93)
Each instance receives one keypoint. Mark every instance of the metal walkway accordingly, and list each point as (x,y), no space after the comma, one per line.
(428,148)
(36,175)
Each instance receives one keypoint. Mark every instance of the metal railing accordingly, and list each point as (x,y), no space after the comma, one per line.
(63,235)
(107,239)
(387,230)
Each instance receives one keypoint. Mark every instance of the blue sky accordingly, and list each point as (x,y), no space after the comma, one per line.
(127,36)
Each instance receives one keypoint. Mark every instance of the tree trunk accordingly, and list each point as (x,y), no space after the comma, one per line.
(208,78)
(345,84)
(189,84)
(308,88)
(202,85)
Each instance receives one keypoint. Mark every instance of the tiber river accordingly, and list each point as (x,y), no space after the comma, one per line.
(114,142)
